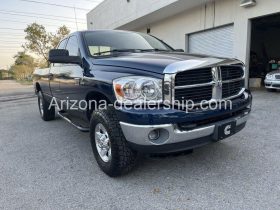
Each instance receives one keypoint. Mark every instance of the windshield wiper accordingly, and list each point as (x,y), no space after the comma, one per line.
(116,51)
(154,50)
(131,50)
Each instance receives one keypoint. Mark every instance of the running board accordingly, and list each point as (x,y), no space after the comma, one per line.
(83,129)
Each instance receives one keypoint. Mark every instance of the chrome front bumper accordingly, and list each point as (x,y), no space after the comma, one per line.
(272,84)
(171,134)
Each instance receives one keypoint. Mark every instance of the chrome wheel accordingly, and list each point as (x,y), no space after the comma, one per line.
(102,142)
(41,106)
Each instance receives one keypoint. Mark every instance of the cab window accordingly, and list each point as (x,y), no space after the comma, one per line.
(72,46)
(62,44)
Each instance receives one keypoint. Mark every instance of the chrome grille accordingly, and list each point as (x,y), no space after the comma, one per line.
(206,84)
(277,76)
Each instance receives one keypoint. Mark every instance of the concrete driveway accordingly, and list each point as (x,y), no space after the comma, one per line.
(51,166)
(11,90)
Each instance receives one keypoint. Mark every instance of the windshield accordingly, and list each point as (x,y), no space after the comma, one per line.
(109,42)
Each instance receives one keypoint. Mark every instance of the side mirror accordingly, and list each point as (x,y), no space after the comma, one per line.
(62,56)
(179,50)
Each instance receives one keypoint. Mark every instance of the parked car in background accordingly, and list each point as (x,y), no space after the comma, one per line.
(272,81)
(122,67)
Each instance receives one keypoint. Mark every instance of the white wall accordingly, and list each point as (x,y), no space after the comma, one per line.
(175,29)
(111,14)
(114,14)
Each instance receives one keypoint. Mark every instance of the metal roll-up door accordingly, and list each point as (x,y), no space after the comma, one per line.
(215,42)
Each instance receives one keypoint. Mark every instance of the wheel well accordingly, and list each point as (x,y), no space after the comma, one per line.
(96,97)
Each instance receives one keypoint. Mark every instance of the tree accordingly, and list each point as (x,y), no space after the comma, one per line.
(24,66)
(41,63)
(22,72)
(60,34)
(40,42)
(21,58)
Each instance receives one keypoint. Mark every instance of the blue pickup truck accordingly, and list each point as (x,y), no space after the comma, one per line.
(141,83)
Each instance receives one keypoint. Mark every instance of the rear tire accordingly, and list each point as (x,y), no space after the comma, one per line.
(118,158)
(46,113)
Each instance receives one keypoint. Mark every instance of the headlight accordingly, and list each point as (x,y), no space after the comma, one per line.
(136,89)
(269,76)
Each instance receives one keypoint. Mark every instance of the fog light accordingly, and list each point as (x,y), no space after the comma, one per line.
(154,135)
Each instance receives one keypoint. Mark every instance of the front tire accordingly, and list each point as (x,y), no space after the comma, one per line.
(110,148)
(46,113)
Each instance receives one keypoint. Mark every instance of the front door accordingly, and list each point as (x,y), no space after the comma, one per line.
(54,74)
(71,75)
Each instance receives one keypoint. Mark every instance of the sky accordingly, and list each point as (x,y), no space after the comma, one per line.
(15,15)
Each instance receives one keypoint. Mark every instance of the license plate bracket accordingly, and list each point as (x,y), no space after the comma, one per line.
(225,130)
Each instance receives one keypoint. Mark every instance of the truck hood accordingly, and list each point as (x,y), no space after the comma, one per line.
(161,62)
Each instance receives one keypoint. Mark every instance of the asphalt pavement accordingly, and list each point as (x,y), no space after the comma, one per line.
(50,165)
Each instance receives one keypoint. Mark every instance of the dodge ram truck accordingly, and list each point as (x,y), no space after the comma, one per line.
(122,69)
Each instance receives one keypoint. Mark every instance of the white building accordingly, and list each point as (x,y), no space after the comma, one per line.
(225,28)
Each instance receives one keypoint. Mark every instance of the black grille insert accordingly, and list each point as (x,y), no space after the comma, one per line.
(193,77)
(196,94)
(232,72)
(232,88)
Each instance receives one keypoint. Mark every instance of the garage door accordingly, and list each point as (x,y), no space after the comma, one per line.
(216,42)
